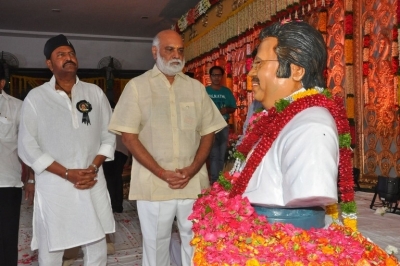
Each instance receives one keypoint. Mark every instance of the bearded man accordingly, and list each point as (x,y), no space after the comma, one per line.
(167,122)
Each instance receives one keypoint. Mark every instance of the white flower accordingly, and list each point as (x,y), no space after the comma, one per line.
(381,210)
(391,250)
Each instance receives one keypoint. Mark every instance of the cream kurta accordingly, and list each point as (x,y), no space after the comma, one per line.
(301,167)
(51,129)
(170,120)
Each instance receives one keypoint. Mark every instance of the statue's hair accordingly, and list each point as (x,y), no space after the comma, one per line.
(302,45)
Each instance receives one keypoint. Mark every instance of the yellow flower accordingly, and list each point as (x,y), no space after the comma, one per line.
(332,210)
(252,262)
(328,249)
(348,51)
(195,240)
(199,258)
(291,263)
(304,94)
(258,240)
(350,107)
(352,223)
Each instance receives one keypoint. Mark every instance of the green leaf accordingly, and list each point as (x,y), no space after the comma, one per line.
(327,93)
(239,156)
(344,140)
(258,110)
(225,183)
(281,105)
(348,207)
(208,209)
(249,240)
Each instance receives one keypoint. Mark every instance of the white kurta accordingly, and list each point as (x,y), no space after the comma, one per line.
(301,167)
(10,166)
(51,129)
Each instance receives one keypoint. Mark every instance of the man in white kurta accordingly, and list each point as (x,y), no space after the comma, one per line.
(53,132)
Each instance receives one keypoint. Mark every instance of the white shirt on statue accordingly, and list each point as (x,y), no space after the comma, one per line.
(301,167)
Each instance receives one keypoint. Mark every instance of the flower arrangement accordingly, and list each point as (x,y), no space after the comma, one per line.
(227,230)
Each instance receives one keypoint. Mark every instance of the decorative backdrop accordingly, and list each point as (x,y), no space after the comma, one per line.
(362,66)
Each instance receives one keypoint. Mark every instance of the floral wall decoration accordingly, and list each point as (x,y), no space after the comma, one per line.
(349,68)
(231,42)
(370,87)
(380,65)
(396,50)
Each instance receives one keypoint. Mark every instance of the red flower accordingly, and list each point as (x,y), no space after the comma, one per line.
(228,68)
(348,24)
(353,134)
(395,34)
(398,13)
(367,40)
(395,64)
(190,17)
(365,69)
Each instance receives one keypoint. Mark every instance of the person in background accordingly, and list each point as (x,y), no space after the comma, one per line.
(254,107)
(113,173)
(11,171)
(226,104)
(167,122)
(64,138)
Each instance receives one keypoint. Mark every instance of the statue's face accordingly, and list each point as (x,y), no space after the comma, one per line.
(267,87)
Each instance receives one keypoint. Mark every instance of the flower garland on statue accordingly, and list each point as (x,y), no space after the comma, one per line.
(227,230)
(265,128)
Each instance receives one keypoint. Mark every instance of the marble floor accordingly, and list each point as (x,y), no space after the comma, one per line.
(384,230)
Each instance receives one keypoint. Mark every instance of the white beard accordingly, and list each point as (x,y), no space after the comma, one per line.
(168,68)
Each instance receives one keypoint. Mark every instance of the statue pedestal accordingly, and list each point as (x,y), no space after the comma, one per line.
(305,218)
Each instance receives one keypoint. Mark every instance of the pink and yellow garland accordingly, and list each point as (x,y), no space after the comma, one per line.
(227,231)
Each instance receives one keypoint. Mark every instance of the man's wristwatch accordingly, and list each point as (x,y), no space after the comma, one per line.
(30,181)
(96,169)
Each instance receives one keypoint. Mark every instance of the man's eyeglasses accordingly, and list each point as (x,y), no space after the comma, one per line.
(257,63)
(216,75)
